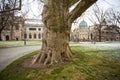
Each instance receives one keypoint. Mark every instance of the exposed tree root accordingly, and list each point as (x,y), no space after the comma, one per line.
(53,57)
(55,49)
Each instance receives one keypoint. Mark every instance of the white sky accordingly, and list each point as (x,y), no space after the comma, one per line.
(103,4)
(35,9)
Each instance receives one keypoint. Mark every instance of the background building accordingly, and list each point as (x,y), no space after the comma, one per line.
(108,33)
(91,33)
(19,30)
(13,30)
(81,33)
(33,31)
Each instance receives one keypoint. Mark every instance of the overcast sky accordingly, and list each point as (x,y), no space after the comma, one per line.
(103,4)
(35,8)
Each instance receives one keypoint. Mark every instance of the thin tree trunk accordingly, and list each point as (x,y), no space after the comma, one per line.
(11,32)
(99,35)
(99,31)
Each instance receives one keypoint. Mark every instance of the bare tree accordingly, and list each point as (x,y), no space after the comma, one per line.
(113,16)
(98,18)
(58,20)
(7,8)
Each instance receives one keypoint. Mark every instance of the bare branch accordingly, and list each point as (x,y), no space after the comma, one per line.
(92,20)
(113,16)
(12,4)
(79,9)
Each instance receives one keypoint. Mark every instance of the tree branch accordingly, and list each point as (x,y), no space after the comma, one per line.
(72,2)
(92,20)
(14,4)
(79,9)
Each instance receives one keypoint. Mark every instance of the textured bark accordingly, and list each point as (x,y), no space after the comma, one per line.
(0,36)
(55,45)
(55,48)
(99,31)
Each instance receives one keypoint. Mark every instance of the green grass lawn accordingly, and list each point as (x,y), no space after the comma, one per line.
(4,44)
(87,64)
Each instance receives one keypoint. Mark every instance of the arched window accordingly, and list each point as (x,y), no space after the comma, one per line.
(7,37)
(39,36)
(35,36)
(17,26)
(30,36)
(25,35)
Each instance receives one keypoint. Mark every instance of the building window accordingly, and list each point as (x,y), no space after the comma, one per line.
(25,35)
(32,29)
(117,38)
(35,36)
(39,29)
(17,26)
(39,36)
(30,36)
(7,37)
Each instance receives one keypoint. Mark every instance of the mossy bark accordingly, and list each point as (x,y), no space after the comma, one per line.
(58,21)
(55,47)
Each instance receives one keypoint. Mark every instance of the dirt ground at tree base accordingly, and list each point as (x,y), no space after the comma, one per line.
(27,63)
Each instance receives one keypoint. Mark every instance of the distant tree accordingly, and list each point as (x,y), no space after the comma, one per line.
(7,8)
(98,18)
(113,16)
(58,20)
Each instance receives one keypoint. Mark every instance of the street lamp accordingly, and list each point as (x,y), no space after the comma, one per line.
(25,36)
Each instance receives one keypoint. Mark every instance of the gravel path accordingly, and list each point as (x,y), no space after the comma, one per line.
(8,55)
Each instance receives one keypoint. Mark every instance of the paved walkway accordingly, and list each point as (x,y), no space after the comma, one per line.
(8,55)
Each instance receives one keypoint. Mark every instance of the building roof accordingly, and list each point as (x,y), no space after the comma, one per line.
(83,24)
(32,25)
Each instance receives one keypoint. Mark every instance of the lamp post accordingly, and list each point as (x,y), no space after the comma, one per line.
(25,36)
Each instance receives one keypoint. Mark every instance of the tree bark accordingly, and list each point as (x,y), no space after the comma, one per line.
(11,31)
(0,35)
(99,31)
(55,48)
(58,22)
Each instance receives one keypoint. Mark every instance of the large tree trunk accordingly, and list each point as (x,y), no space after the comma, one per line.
(55,48)
(58,21)
(0,35)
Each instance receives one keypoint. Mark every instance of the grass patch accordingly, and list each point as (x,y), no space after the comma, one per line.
(14,68)
(4,44)
(87,64)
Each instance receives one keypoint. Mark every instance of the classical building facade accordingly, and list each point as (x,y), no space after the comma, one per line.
(81,33)
(91,33)
(33,31)
(22,31)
